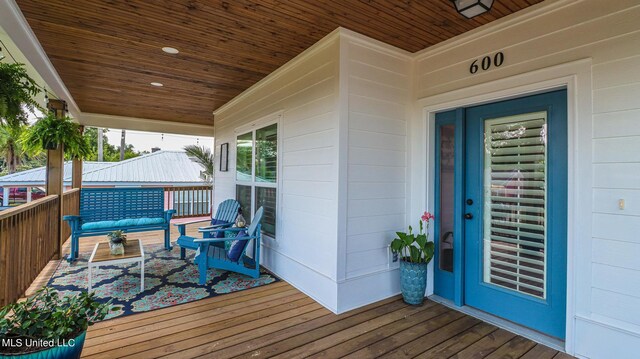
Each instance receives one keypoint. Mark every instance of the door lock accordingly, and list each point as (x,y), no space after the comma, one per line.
(469,201)
(468,216)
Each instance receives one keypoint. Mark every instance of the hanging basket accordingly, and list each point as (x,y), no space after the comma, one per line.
(50,145)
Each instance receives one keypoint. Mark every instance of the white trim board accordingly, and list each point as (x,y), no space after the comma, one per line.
(576,78)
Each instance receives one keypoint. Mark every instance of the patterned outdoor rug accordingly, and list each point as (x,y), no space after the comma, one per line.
(168,281)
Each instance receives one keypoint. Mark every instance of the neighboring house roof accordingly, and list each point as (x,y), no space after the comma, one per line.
(164,168)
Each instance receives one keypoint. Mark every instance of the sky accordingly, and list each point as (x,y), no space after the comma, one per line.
(144,141)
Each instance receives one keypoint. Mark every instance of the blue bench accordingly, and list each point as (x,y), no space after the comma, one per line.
(103,210)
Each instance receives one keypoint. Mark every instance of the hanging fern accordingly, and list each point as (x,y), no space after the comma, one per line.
(49,130)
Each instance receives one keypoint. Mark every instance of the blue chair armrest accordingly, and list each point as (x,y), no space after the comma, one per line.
(215,226)
(71,218)
(210,240)
(74,222)
(191,222)
(168,214)
(234,229)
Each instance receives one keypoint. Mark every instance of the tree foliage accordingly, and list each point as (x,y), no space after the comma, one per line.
(17,93)
(204,157)
(110,152)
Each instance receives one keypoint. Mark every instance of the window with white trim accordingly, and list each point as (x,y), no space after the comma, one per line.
(257,174)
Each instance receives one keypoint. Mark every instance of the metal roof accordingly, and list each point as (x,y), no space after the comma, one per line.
(163,168)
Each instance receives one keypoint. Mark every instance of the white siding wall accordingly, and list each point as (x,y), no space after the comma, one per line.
(305,92)
(377,96)
(607,322)
(347,139)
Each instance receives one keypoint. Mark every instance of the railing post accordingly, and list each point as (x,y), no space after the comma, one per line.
(55,172)
(5,196)
(76,177)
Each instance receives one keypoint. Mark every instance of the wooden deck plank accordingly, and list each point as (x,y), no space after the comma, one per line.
(540,351)
(288,337)
(393,333)
(513,349)
(278,320)
(184,340)
(191,316)
(458,342)
(562,355)
(418,345)
(342,335)
(486,345)
(201,326)
(123,323)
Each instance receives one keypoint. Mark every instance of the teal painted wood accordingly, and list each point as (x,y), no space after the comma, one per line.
(114,204)
(450,284)
(210,256)
(227,212)
(548,314)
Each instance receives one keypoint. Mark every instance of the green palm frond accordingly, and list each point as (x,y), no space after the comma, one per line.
(204,157)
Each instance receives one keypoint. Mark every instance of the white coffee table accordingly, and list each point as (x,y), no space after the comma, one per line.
(101,256)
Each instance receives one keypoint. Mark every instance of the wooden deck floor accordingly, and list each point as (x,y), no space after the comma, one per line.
(279,321)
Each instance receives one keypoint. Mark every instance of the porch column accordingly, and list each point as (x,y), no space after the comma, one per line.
(55,172)
(5,196)
(28,194)
(76,177)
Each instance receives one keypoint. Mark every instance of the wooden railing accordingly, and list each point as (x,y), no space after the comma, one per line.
(70,205)
(192,201)
(28,241)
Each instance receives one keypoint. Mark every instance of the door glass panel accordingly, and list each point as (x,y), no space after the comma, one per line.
(446,169)
(515,197)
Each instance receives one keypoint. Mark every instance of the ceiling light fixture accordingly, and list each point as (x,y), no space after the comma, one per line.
(170,50)
(157,84)
(472,8)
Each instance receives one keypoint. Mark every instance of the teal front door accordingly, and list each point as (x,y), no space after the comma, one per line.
(513,232)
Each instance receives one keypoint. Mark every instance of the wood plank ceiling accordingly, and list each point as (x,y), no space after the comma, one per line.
(108,52)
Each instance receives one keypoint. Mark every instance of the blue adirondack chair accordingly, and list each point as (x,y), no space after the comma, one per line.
(234,259)
(225,217)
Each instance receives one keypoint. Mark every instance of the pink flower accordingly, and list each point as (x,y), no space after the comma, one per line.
(427,216)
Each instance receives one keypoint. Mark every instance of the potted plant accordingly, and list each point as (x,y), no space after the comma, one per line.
(17,92)
(117,241)
(48,325)
(49,132)
(415,252)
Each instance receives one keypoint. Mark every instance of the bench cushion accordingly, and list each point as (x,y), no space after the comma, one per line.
(127,222)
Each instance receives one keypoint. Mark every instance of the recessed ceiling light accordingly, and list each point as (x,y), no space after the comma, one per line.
(157,84)
(170,50)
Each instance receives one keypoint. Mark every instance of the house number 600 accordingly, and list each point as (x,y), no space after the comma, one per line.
(486,62)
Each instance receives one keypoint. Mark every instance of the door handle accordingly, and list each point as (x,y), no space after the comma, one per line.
(468,216)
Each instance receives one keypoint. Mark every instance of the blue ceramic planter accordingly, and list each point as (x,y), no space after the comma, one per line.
(413,282)
(58,352)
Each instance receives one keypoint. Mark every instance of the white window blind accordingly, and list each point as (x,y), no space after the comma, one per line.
(515,196)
